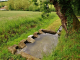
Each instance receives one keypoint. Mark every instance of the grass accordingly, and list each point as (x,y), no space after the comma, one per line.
(24,25)
(16,22)
(67,48)
(55,25)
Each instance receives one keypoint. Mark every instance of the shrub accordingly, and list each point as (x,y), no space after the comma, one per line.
(2,4)
(26,5)
(18,5)
(10,5)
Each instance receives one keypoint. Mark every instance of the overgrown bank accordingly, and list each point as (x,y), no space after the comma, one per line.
(14,26)
(67,49)
(33,24)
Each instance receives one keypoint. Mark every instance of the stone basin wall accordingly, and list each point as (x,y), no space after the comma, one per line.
(32,44)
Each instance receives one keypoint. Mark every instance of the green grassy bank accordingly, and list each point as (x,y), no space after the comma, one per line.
(17,25)
(14,23)
(67,49)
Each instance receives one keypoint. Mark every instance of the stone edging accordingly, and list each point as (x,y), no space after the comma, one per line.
(30,39)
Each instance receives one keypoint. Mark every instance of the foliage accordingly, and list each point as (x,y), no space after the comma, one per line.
(67,7)
(76,6)
(44,7)
(10,4)
(33,7)
(2,4)
(24,5)
(52,9)
(20,5)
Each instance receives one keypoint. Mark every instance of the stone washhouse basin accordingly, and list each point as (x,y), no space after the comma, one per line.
(37,45)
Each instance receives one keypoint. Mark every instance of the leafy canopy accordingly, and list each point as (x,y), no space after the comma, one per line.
(75,4)
(68,7)
(44,7)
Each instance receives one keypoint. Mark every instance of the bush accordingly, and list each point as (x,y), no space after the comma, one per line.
(10,5)
(21,5)
(2,4)
(26,5)
(52,8)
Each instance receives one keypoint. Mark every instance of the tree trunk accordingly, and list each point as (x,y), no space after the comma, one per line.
(61,16)
(75,24)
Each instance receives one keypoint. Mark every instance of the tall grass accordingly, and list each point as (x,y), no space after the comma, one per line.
(67,49)
(10,28)
(25,26)
(15,23)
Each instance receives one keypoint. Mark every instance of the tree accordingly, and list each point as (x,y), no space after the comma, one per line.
(65,12)
(64,9)
(18,4)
